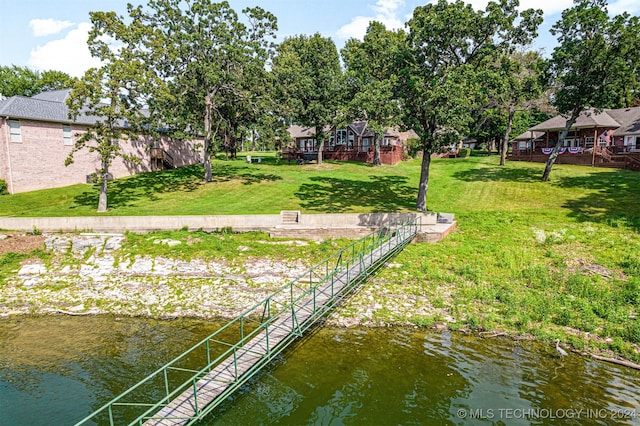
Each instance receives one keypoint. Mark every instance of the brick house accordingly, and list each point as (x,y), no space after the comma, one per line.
(36,136)
(354,142)
(605,138)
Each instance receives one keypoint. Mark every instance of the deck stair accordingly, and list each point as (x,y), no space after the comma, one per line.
(163,156)
(633,163)
(603,153)
(196,382)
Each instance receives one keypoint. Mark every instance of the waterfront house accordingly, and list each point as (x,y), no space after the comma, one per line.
(36,136)
(604,138)
(353,142)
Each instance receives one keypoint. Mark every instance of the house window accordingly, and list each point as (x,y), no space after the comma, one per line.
(365,144)
(14,130)
(307,145)
(332,141)
(637,142)
(588,142)
(522,145)
(341,137)
(66,135)
(352,138)
(386,142)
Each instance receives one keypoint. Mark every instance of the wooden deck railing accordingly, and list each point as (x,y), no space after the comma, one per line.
(161,154)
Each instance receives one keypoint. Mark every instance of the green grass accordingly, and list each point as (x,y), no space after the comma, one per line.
(550,259)
(237,188)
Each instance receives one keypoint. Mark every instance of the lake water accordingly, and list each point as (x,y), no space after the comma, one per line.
(56,370)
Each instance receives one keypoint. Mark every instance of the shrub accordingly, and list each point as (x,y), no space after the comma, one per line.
(414,146)
(464,152)
(4,189)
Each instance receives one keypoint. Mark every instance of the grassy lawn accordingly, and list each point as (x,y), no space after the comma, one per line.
(559,259)
(237,188)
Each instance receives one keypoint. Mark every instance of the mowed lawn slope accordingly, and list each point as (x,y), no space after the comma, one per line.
(558,259)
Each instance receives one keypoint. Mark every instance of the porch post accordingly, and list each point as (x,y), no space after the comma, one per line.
(595,144)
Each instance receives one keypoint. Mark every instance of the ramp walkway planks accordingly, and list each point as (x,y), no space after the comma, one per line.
(283,317)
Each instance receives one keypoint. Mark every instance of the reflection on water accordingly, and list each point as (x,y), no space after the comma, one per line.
(56,370)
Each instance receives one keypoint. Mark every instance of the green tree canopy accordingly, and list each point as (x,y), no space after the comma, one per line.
(114,94)
(308,76)
(514,83)
(595,64)
(371,80)
(210,66)
(449,48)
(23,81)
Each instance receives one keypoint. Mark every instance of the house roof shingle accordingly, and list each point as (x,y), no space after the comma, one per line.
(526,136)
(359,127)
(47,106)
(589,118)
(628,119)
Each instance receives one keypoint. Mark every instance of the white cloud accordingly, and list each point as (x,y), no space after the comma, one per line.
(548,7)
(45,27)
(387,7)
(69,54)
(385,12)
(618,7)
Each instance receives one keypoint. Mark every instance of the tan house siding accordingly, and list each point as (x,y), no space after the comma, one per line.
(37,162)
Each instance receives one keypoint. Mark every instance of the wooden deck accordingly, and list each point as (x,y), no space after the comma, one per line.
(231,373)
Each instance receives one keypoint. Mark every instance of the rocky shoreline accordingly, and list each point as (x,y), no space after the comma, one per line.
(96,281)
(86,277)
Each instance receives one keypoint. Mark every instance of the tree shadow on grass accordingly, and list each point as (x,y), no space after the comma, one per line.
(616,200)
(335,195)
(499,174)
(146,186)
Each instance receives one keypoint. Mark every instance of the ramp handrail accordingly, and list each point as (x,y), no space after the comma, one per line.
(287,300)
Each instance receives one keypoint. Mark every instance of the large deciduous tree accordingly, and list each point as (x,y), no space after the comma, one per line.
(371,80)
(112,94)
(515,84)
(595,63)
(449,46)
(208,59)
(308,76)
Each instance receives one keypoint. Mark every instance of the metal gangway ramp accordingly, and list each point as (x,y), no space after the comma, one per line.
(196,382)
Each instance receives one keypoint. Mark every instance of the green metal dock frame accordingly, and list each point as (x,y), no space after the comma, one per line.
(196,382)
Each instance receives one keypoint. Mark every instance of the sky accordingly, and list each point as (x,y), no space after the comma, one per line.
(51,34)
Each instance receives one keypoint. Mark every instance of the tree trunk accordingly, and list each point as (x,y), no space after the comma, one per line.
(376,150)
(254,136)
(556,149)
(505,141)
(102,200)
(421,203)
(320,146)
(206,157)
(233,142)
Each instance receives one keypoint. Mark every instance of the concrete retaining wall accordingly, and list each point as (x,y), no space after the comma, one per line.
(239,223)
(308,225)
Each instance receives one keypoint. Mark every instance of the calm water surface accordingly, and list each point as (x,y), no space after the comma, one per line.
(56,370)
